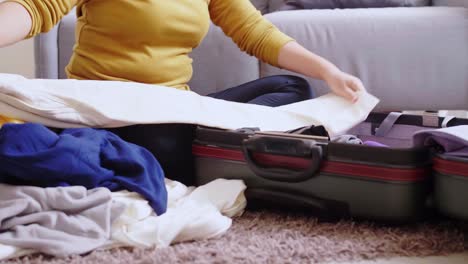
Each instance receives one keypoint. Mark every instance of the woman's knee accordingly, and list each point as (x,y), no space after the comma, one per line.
(298,85)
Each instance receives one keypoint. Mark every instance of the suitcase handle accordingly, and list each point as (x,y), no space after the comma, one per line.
(282,146)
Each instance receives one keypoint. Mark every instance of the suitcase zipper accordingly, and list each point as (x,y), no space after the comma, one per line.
(450,167)
(331,167)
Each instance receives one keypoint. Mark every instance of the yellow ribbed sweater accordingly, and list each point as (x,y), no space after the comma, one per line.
(148,41)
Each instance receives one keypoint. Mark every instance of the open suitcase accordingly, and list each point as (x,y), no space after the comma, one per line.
(328,178)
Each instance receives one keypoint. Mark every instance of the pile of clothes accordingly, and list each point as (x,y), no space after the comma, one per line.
(75,190)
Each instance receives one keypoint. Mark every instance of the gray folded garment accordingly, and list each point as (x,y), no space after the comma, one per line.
(57,221)
(347,139)
(332,4)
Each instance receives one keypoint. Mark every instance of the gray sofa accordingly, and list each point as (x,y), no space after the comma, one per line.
(411,58)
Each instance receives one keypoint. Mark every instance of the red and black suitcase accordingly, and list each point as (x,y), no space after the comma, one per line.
(389,183)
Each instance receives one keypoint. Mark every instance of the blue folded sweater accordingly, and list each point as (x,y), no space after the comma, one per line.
(31,154)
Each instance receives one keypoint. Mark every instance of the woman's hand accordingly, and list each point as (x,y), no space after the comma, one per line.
(344,84)
(296,58)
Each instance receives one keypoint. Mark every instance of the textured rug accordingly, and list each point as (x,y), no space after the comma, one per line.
(273,237)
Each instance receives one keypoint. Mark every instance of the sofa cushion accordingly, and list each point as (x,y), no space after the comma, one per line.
(267,6)
(463,3)
(219,64)
(261,5)
(402,59)
(274,5)
(327,4)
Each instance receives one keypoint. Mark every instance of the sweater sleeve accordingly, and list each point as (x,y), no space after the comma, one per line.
(45,14)
(248,29)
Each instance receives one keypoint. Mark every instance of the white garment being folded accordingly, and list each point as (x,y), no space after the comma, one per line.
(192,214)
(75,103)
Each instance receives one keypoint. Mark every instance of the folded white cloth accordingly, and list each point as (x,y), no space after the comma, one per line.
(75,103)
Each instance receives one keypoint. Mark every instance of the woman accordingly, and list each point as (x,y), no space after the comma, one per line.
(148,41)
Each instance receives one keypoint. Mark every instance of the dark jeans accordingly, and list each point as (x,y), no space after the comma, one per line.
(171,144)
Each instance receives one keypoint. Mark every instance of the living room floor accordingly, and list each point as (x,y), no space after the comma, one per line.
(461,258)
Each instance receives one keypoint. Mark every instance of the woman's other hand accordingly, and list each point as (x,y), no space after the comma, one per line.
(296,58)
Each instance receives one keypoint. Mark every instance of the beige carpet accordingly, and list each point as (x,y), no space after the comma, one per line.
(269,237)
